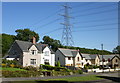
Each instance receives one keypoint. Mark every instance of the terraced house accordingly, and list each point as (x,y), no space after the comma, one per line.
(69,57)
(31,53)
(112,61)
(91,59)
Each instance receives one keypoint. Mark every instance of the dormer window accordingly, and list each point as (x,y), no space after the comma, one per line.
(34,52)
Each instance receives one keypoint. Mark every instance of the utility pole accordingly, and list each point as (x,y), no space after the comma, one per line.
(102,57)
(67,33)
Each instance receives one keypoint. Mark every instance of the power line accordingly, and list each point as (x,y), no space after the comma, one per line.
(96,25)
(95,30)
(96,13)
(52,31)
(108,19)
(90,3)
(89,9)
(45,18)
(42,26)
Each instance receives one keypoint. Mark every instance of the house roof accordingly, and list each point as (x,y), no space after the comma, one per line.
(68,52)
(106,57)
(93,56)
(24,45)
(86,56)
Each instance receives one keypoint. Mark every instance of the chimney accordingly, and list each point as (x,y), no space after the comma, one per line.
(34,40)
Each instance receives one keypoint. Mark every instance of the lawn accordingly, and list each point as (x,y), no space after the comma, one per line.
(63,80)
(81,78)
(11,69)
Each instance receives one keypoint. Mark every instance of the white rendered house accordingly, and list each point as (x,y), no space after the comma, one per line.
(31,54)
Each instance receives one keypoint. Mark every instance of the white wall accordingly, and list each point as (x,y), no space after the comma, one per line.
(68,62)
(51,57)
(78,62)
(28,55)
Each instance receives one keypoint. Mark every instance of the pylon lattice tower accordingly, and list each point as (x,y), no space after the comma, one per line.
(67,39)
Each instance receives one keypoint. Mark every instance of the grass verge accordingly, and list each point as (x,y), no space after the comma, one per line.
(11,69)
(81,78)
(63,80)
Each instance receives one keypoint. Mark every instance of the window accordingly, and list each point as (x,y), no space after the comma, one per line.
(33,52)
(69,58)
(46,53)
(58,58)
(32,61)
(116,60)
(82,63)
(46,61)
(77,58)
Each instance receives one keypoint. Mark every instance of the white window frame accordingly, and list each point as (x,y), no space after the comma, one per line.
(33,61)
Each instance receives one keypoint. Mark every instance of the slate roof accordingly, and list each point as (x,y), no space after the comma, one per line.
(86,56)
(68,52)
(24,46)
(106,57)
(93,56)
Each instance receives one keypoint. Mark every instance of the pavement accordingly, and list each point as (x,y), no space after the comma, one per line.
(112,77)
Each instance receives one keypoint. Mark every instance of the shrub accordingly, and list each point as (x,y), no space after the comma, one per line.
(3,65)
(60,73)
(48,67)
(31,68)
(80,71)
(77,71)
(20,73)
(58,63)
(85,67)
(12,65)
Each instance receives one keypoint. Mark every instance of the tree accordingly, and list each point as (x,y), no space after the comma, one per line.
(26,35)
(54,44)
(116,50)
(7,40)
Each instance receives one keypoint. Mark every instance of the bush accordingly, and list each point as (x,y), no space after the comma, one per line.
(31,68)
(80,71)
(77,71)
(19,66)
(12,65)
(8,62)
(48,67)
(58,63)
(60,73)
(21,73)
(3,65)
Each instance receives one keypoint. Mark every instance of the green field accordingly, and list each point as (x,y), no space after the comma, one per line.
(11,69)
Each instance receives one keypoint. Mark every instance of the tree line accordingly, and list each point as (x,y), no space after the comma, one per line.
(27,34)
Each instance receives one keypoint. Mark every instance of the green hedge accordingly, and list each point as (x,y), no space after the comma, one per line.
(60,73)
(21,73)
(77,71)
(56,68)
